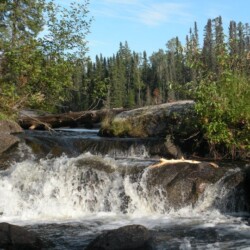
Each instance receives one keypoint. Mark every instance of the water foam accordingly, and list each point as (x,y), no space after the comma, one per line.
(65,188)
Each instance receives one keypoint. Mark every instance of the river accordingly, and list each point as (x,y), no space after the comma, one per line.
(71,185)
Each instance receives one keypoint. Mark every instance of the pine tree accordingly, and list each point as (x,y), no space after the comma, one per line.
(232,38)
(208,47)
(137,82)
(159,62)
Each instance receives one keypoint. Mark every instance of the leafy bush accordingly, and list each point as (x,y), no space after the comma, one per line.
(223,105)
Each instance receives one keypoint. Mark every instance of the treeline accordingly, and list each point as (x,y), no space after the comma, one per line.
(130,79)
(43,65)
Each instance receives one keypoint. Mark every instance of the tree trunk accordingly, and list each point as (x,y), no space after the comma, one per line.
(71,119)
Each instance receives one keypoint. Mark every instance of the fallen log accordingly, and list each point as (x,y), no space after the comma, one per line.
(70,119)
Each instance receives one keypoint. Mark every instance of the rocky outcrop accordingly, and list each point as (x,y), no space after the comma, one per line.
(17,238)
(7,139)
(151,121)
(131,237)
(177,122)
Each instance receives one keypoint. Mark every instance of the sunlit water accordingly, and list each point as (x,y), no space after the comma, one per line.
(69,200)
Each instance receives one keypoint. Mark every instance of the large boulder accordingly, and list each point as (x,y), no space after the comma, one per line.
(183,184)
(131,237)
(151,121)
(17,238)
(7,139)
(176,121)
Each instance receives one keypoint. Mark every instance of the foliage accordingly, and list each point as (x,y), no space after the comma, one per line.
(224,108)
(36,70)
(66,30)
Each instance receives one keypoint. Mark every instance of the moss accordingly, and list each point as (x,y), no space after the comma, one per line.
(120,127)
(8,116)
(3,116)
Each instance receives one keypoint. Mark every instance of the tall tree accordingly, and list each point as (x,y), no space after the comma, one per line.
(208,47)
(38,71)
(125,56)
(20,22)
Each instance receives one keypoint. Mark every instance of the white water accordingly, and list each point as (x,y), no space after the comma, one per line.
(70,188)
(105,193)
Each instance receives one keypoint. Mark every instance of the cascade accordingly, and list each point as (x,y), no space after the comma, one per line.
(73,179)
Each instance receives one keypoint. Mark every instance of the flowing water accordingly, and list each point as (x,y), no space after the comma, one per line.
(71,185)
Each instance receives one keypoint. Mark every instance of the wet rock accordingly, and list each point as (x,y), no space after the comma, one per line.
(131,237)
(95,163)
(232,196)
(181,184)
(7,139)
(17,238)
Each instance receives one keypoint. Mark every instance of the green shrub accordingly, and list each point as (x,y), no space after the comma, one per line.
(223,105)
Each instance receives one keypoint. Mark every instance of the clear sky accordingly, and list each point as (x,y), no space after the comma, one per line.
(149,24)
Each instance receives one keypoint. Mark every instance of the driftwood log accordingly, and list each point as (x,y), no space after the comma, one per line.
(71,119)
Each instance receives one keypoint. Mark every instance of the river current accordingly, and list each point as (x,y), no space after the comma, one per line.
(71,185)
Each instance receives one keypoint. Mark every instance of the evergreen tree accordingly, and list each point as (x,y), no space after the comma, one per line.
(136,79)
(125,56)
(232,38)
(117,82)
(159,62)
(208,47)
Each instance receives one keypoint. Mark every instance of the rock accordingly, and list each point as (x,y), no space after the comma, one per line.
(181,184)
(150,121)
(232,196)
(131,237)
(7,140)
(10,127)
(177,122)
(17,238)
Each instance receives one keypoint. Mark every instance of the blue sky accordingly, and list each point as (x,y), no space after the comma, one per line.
(149,24)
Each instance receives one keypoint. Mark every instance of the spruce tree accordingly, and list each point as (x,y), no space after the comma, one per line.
(208,47)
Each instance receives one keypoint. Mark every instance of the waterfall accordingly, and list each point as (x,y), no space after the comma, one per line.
(62,188)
